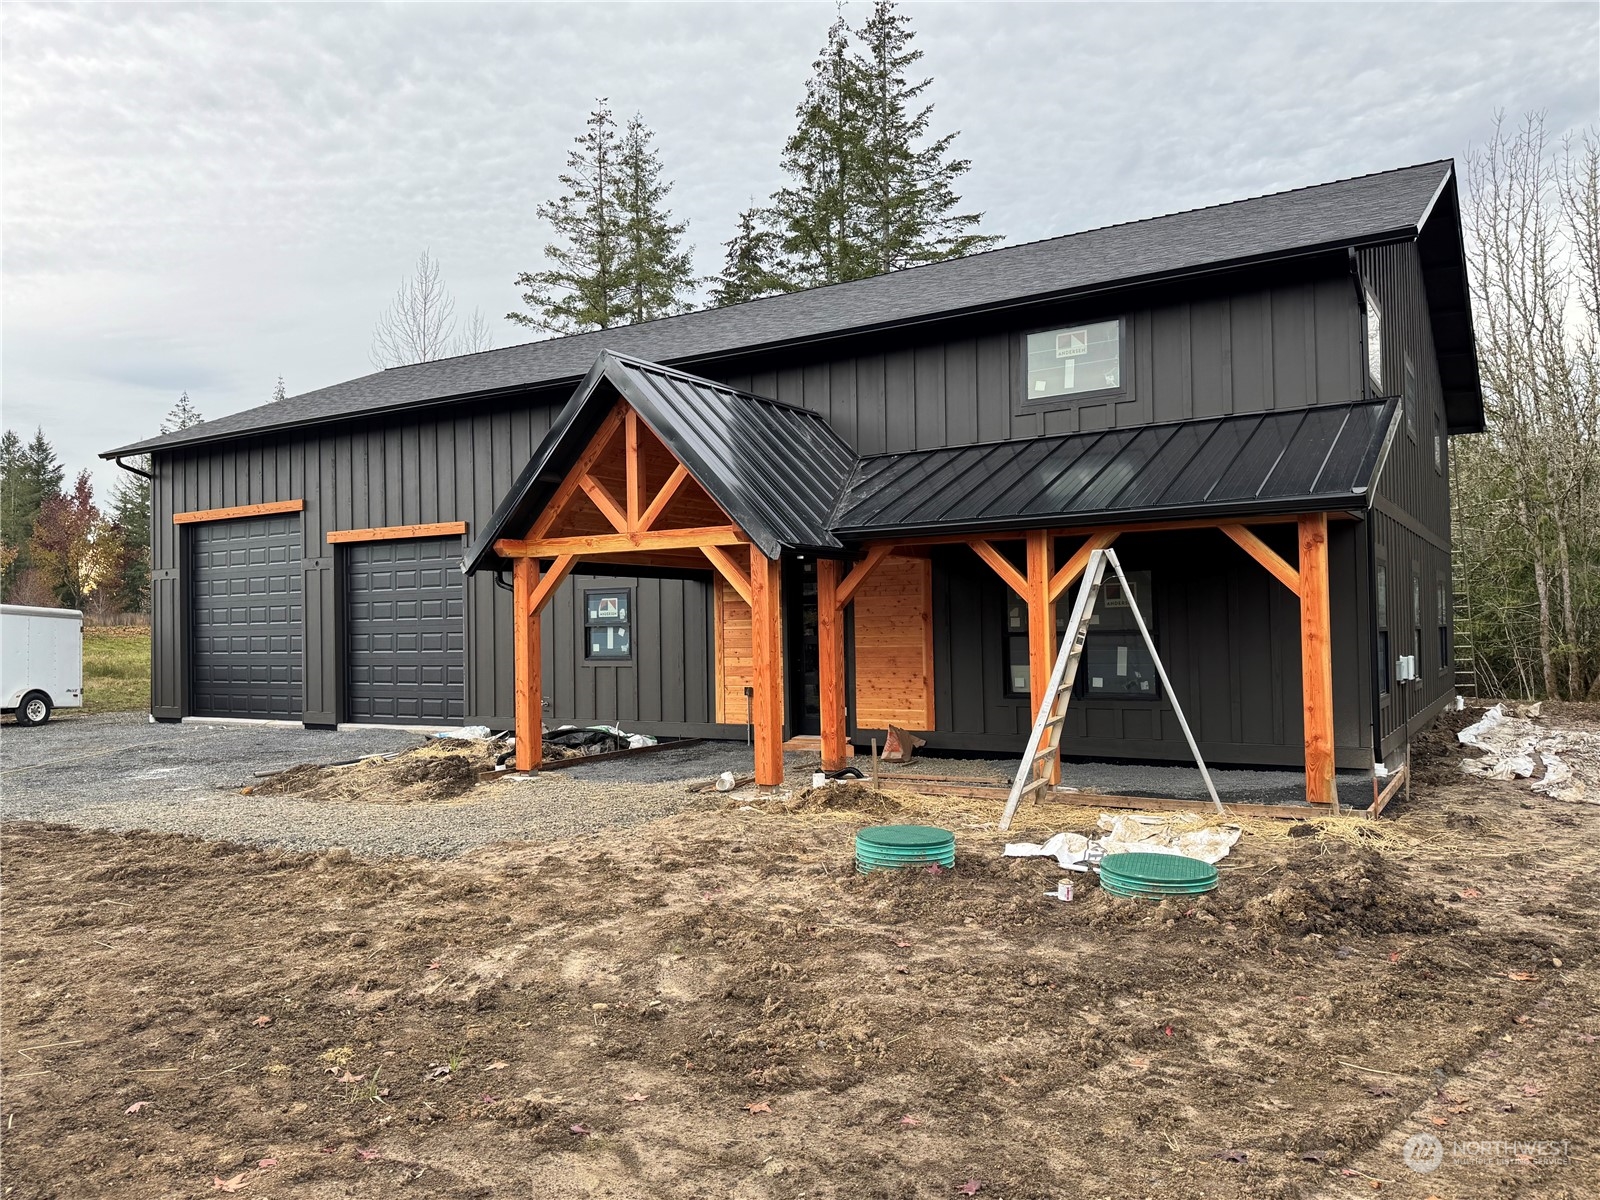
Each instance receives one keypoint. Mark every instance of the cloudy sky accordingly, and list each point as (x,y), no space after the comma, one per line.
(204,199)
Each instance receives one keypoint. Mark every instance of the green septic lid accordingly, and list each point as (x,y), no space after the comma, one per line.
(1143,867)
(1144,890)
(885,847)
(905,837)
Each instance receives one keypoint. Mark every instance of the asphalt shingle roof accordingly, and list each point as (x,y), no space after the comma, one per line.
(1366,208)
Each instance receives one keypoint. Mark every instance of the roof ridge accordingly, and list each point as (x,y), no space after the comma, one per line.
(820,287)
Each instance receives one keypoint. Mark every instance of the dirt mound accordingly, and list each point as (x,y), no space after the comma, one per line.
(1349,892)
(1436,753)
(428,774)
(830,798)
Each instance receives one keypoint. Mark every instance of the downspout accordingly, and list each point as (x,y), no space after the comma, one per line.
(134,470)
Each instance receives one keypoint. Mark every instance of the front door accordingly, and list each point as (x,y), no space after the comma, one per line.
(802,697)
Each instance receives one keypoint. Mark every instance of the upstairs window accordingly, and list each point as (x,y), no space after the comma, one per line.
(608,625)
(1374,341)
(1074,360)
(1438,444)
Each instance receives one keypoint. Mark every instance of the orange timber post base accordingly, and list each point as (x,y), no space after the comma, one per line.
(766,620)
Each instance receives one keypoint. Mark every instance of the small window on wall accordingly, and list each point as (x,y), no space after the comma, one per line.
(1018,679)
(1116,662)
(1441,599)
(607,624)
(1075,360)
(1409,399)
(1416,622)
(1374,341)
(1438,444)
(1384,665)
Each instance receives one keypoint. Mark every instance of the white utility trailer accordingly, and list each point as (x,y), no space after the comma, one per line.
(41,661)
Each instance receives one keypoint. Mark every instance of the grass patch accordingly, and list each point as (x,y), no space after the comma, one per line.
(116,669)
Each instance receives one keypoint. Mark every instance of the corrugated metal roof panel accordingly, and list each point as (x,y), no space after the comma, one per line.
(1302,460)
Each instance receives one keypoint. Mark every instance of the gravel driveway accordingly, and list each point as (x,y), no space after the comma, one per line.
(120,772)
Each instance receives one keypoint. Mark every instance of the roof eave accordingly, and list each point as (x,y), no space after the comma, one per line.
(1353,501)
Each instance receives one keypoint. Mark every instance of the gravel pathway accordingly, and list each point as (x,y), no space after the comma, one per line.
(121,772)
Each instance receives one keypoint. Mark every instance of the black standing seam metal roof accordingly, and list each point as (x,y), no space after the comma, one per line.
(777,470)
(1243,465)
(1363,210)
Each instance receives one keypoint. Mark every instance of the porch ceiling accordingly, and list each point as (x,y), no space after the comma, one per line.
(1308,460)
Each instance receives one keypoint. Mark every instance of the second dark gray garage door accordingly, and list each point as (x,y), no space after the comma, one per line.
(406,632)
(246,627)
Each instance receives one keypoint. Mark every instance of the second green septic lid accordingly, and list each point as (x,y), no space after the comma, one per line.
(907,837)
(1141,866)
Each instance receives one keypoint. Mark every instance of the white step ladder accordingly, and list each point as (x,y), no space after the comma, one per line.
(1033,775)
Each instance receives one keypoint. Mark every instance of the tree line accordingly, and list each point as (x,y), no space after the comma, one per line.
(867,188)
(1526,493)
(58,547)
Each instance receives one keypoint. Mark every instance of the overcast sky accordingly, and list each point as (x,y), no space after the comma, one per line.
(203,199)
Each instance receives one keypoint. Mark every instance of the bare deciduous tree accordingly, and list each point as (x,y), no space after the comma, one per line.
(1526,492)
(420,323)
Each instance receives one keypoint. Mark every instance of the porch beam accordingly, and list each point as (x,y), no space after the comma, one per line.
(570,486)
(766,622)
(1001,565)
(876,553)
(1078,563)
(965,539)
(622,543)
(1316,659)
(559,570)
(728,567)
(605,502)
(830,664)
(669,489)
(526,650)
(1266,556)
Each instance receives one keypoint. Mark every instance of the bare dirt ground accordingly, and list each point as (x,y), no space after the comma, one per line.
(716,1004)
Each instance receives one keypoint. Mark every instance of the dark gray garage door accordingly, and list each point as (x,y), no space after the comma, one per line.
(247,619)
(406,632)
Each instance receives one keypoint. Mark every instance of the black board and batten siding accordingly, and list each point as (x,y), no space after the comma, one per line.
(1229,635)
(442,469)
(1410,520)
(1283,344)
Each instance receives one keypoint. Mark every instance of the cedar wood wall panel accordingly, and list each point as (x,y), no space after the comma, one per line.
(1289,345)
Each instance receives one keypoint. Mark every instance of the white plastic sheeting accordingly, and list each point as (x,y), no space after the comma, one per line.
(1563,763)
(1123,832)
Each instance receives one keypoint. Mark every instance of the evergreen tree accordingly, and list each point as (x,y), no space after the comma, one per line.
(585,288)
(657,271)
(906,210)
(30,475)
(812,215)
(130,518)
(867,192)
(181,415)
(752,267)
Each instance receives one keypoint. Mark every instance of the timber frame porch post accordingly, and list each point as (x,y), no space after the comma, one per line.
(766,671)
